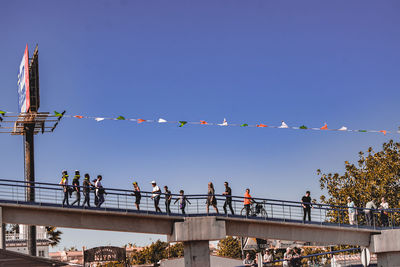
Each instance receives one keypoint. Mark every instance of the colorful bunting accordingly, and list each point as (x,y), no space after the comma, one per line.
(283,125)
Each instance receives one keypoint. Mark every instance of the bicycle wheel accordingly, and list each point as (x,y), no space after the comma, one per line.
(263,213)
(243,212)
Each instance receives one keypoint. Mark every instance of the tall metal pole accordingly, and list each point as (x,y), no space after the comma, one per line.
(30,179)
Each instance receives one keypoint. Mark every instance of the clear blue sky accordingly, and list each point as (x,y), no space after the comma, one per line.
(304,62)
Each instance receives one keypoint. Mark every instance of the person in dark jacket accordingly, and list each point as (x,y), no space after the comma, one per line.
(87,185)
(76,188)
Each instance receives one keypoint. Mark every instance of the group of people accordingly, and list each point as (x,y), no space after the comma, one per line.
(369,210)
(87,186)
(292,258)
(182,199)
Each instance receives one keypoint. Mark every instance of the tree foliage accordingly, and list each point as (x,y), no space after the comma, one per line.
(375,175)
(155,252)
(54,235)
(229,247)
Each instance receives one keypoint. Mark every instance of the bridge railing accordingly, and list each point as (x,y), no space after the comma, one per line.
(49,194)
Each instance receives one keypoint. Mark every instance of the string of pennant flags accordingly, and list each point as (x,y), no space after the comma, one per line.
(223,123)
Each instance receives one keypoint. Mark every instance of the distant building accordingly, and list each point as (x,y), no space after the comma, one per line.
(18,242)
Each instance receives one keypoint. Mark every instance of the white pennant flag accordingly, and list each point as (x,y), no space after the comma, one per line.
(160,120)
(343,128)
(283,125)
(224,123)
(99,119)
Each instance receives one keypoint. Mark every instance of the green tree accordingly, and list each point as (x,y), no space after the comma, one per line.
(375,175)
(54,235)
(229,247)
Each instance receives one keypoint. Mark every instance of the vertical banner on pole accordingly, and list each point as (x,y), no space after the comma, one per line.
(23,83)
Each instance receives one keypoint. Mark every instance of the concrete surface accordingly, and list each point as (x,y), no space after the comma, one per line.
(215,261)
(198,228)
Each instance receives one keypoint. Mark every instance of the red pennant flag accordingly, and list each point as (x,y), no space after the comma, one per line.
(140,120)
(325,127)
(78,116)
(383,131)
(262,125)
(203,122)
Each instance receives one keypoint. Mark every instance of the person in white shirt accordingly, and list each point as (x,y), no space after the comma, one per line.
(268,257)
(369,212)
(99,191)
(156,195)
(352,211)
(384,213)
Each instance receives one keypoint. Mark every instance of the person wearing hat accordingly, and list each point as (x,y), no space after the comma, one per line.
(86,190)
(136,193)
(64,185)
(156,196)
(76,188)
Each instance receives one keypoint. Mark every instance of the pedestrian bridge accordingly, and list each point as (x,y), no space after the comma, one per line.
(273,219)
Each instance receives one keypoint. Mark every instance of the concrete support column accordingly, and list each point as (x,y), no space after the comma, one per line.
(387,247)
(197,254)
(195,233)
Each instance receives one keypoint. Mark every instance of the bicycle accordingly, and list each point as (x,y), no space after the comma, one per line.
(256,208)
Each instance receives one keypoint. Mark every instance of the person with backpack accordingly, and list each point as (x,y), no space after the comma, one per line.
(182,201)
(87,185)
(76,188)
(156,195)
(65,187)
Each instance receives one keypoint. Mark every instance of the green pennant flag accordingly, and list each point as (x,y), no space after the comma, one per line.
(121,118)
(57,114)
(182,123)
(362,131)
(2,112)
(303,127)
(244,125)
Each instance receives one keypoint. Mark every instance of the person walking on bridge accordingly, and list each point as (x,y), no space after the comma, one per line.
(156,196)
(306,204)
(182,201)
(168,198)
(87,185)
(136,193)
(247,201)
(211,199)
(76,188)
(99,191)
(64,184)
(228,199)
